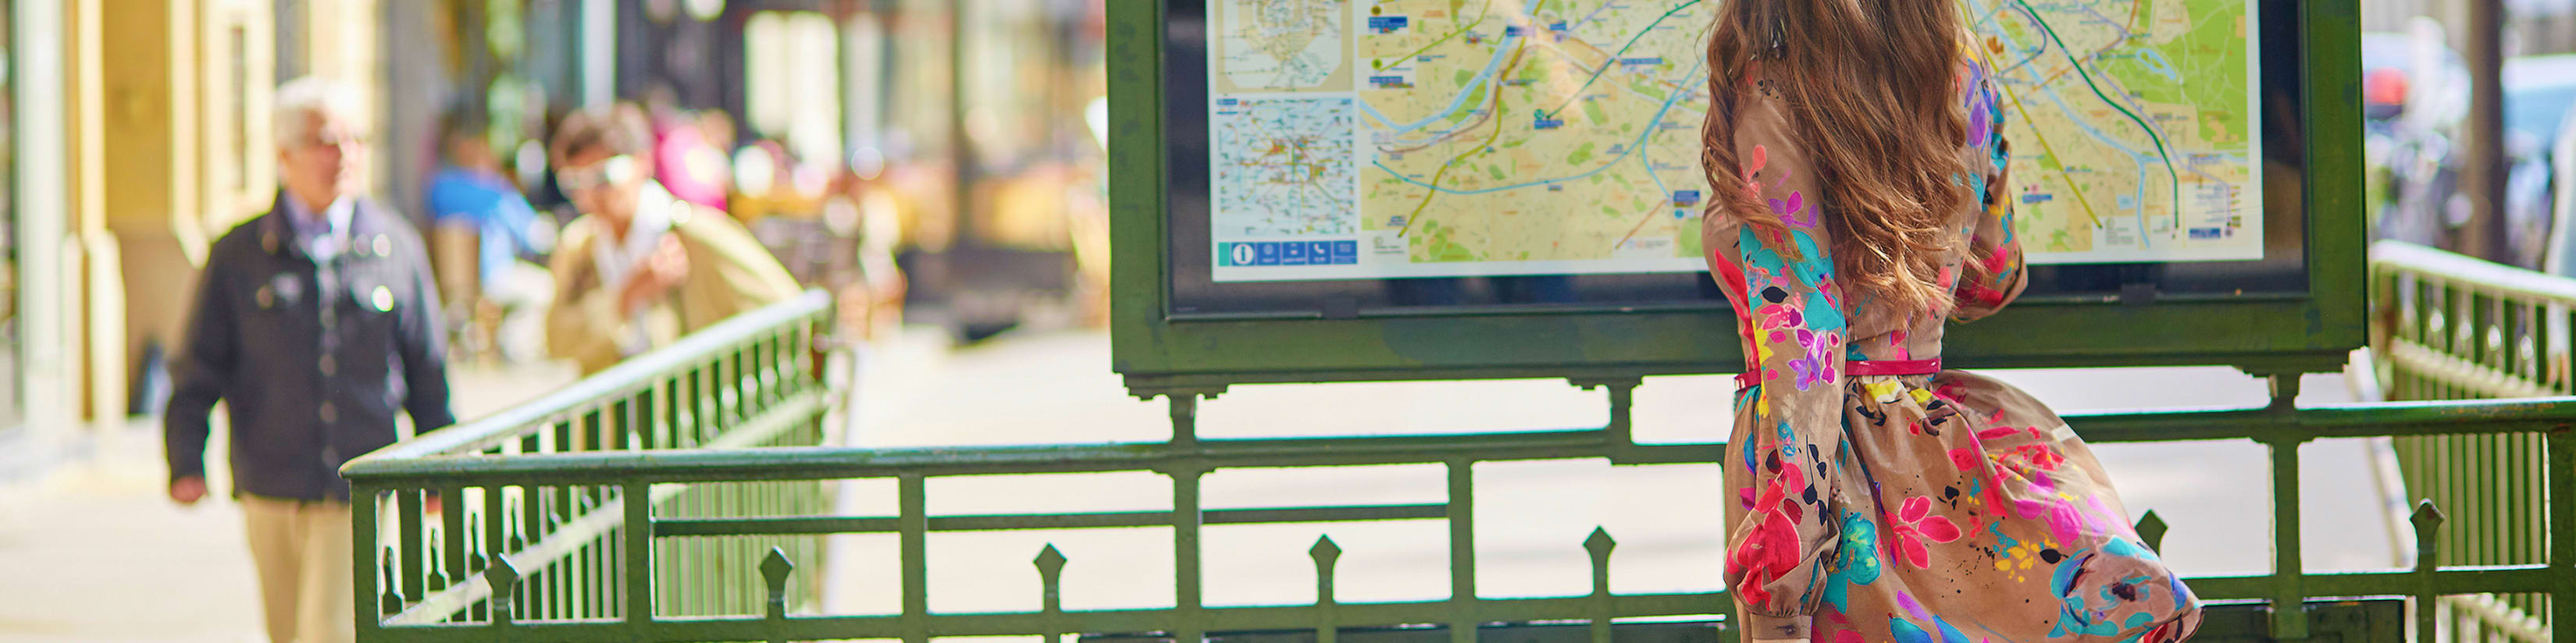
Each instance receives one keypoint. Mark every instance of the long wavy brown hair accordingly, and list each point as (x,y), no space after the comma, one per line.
(1872,85)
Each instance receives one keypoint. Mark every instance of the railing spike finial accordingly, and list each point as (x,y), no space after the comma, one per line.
(2151,530)
(1325,552)
(1600,543)
(437,572)
(504,578)
(774,569)
(475,558)
(2428,521)
(1603,607)
(2427,516)
(1050,563)
(1327,556)
(392,600)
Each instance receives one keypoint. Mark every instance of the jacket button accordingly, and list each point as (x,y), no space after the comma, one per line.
(330,366)
(330,413)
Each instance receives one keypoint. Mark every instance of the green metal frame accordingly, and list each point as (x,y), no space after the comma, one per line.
(1161,355)
(1186,460)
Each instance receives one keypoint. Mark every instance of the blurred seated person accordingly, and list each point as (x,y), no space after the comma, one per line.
(640,268)
(470,193)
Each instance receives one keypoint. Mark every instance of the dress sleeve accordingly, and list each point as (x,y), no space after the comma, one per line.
(1781,522)
(1992,244)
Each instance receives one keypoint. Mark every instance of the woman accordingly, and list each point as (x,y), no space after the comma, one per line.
(1857,151)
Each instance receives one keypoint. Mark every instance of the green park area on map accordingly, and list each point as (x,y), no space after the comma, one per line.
(2133,127)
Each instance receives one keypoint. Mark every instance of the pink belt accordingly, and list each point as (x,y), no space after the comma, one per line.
(1861,368)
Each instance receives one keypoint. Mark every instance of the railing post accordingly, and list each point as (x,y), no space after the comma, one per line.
(1189,603)
(1462,552)
(2562,528)
(2428,548)
(2289,591)
(362,549)
(1605,605)
(1326,555)
(773,572)
(411,539)
(503,577)
(639,552)
(1051,591)
(912,515)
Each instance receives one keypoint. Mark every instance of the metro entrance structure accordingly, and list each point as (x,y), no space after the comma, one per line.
(687,495)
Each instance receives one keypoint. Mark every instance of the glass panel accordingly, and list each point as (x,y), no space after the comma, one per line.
(1281,92)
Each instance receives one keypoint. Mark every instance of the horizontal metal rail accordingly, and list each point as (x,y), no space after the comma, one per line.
(724,339)
(815,463)
(2283,430)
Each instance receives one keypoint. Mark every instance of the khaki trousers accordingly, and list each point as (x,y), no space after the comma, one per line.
(302,551)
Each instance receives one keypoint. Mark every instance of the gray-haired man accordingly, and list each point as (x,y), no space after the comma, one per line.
(317,322)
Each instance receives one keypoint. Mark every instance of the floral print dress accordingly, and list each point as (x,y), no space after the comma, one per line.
(1942,507)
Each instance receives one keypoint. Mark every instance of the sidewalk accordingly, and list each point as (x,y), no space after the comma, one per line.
(92,550)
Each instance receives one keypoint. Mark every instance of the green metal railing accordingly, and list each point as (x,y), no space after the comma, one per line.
(444,544)
(642,607)
(2452,327)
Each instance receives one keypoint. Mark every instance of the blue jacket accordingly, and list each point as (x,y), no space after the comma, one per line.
(312,358)
(501,217)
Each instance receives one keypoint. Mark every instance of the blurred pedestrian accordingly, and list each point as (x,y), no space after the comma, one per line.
(470,193)
(688,159)
(640,267)
(318,321)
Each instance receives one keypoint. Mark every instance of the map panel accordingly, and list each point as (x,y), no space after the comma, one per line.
(1554,137)
(1506,137)
(1281,45)
(1284,167)
(2133,126)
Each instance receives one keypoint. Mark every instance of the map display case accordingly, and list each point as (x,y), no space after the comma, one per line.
(1323,190)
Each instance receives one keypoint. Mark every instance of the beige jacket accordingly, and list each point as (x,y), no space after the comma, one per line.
(730,273)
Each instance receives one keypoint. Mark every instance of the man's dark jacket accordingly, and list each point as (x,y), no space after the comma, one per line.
(312,359)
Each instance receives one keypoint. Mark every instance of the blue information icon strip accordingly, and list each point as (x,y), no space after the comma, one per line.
(1238,254)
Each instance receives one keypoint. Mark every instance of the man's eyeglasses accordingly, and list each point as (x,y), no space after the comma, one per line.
(617,169)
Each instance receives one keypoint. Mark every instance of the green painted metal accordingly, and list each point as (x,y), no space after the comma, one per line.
(510,552)
(2452,327)
(1161,354)
(755,615)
